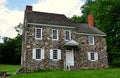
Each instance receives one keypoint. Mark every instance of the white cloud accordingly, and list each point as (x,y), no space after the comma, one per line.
(67,7)
(11,18)
(2,2)
(8,20)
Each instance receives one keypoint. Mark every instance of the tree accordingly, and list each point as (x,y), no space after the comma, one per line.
(10,50)
(107,18)
(19,28)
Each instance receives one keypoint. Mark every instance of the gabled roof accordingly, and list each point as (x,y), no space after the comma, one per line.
(61,20)
(47,18)
(86,29)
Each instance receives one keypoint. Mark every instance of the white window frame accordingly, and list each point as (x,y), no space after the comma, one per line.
(95,56)
(58,54)
(52,34)
(91,39)
(36,33)
(34,54)
(69,35)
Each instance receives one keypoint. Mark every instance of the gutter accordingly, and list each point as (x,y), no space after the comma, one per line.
(48,25)
(91,34)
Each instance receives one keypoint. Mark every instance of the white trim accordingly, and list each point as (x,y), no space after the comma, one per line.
(48,25)
(89,40)
(57,34)
(58,54)
(34,54)
(69,35)
(36,33)
(90,34)
(95,56)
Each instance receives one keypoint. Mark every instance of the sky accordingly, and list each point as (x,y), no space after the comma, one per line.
(12,11)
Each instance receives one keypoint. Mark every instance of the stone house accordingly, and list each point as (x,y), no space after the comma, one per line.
(51,41)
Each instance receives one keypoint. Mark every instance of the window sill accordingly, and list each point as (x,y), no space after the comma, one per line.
(38,38)
(55,59)
(38,59)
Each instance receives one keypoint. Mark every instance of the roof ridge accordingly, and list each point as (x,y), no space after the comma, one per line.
(47,13)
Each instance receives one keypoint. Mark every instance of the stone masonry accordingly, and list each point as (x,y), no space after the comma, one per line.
(80,53)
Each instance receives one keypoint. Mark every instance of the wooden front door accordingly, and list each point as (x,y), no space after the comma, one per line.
(69,58)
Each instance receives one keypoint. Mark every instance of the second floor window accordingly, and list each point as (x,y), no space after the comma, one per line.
(54,34)
(38,33)
(91,40)
(67,35)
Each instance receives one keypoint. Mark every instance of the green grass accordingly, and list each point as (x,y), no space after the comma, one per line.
(104,73)
(9,68)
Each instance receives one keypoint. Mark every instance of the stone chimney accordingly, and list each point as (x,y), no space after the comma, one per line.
(90,20)
(28,8)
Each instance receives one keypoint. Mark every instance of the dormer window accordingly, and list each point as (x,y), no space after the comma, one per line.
(54,34)
(67,35)
(38,33)
(91,40)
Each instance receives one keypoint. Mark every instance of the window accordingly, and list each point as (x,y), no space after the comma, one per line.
(55,54)
(38,33)
(67,35)
(38,53)
(93,56)
(91,40)
(54,34)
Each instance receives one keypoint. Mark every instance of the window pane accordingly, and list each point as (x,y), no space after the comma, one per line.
(38,53)
(54,34)
(38,33)
(92,56)
(54,54)
(91,40)
(67,35)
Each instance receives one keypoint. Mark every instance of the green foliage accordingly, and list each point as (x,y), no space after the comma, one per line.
(10,51)
(106,18)
(78,19)
(19,28)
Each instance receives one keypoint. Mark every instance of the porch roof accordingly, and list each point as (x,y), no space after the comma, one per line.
(71,43)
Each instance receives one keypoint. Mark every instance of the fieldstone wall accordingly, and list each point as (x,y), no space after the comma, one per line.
(80,52)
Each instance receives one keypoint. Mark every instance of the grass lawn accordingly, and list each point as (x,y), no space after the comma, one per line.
(104,73)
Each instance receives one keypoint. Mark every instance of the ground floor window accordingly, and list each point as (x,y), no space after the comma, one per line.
(55,54)
(93,56)
(38,53)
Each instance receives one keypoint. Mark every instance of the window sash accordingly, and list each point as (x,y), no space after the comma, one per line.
(38,33)
(55,34)
(91,40)
(92,56)
(38,53)
(67,35)
(55,54)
